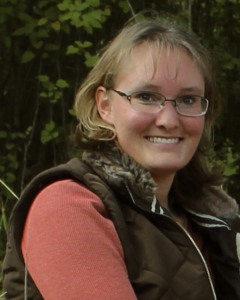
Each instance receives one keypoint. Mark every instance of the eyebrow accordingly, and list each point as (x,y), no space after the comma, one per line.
(192,88)
(184,89)
(151,87)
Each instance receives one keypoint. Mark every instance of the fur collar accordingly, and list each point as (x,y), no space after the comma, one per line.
(120,171)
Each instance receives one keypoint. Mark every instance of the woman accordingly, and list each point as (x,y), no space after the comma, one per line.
(140,216)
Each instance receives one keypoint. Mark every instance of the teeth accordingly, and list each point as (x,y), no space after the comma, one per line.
(163,140)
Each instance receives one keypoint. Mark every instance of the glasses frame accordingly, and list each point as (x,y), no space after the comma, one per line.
(165,99)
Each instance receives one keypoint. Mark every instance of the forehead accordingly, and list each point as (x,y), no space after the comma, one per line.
(147,63)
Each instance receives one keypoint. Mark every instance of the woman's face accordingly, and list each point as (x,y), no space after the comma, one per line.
(162,142)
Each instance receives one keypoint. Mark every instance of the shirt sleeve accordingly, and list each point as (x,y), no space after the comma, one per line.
(71,247)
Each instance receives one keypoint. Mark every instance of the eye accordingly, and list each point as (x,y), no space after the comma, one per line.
(145,97)
(188,100)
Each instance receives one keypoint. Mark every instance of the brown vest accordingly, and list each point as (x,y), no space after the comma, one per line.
(162,261)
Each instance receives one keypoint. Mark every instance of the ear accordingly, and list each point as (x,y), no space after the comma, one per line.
(104,105)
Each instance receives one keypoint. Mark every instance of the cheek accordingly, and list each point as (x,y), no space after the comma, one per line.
(194,127)
(130,120)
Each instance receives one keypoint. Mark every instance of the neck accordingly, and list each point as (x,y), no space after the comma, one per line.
(164,184)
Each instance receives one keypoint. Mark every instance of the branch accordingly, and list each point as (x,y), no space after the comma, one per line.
(1,296)
(9,189)
(62,99)
(132,11)
(32,132)
(190,2)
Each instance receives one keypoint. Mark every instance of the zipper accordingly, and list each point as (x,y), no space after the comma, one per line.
(200,254)
(187,234)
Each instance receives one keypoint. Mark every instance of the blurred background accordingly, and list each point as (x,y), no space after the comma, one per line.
(46,50)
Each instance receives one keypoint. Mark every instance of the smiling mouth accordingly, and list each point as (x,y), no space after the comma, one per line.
(164,140)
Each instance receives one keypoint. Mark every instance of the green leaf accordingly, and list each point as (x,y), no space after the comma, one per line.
(3,134)
(29,129)
(72,50)
(2,169)
(8,41)
(51,13)
(230,170)
(92,19)
(38,11)
(30,26)
(124,5)
(43,78)
(65,17)
(21,135)
(63,6)
(19,31)
(42,21)
(91,61)
(50,126)
(77,23)
(55,134)
(87,55)
(96,14)
(83,45)
(62,83)
(95,23)
(72,112)
(42,33)
(43,95)
(94,3)
(41,4)
(236,61)
(34,39)
(75,16)
(37,45)
(88,28)
(56,25)
(107,12)
(66,28)
(27,56)
(82,6)
(58,95)
(45,136)
(72,7)
(52,47)
(9,146)
(48,85)
(10,177)
(24,17)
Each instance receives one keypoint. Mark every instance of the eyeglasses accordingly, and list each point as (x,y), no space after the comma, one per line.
(151,102)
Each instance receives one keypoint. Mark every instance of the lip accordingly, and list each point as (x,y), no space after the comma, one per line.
(164,140)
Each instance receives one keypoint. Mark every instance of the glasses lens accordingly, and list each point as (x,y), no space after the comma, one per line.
(147,101)
(192,105)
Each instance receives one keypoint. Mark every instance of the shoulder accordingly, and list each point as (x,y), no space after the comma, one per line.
(66,194)
(67,208)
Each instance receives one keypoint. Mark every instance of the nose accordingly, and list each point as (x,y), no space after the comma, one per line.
(168,117)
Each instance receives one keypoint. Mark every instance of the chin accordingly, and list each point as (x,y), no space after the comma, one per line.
(164,169)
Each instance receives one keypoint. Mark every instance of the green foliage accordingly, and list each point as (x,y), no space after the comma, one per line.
(45,47)
(124,5)
(27,56)
(48,133)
